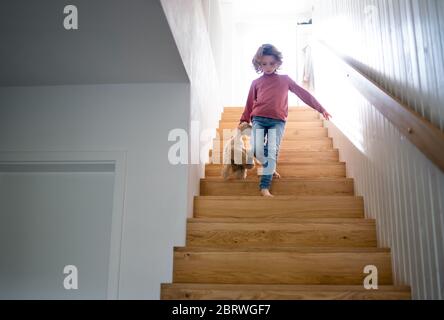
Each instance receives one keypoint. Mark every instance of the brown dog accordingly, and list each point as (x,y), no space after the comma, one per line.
(238,157)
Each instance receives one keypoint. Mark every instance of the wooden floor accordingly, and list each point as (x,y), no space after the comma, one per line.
(311,241)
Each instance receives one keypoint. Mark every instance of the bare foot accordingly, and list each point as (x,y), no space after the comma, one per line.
(266,193)
(276,175)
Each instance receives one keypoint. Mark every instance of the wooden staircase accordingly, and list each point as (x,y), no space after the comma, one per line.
(311,241)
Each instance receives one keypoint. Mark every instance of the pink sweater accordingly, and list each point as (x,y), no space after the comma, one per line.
(268,97)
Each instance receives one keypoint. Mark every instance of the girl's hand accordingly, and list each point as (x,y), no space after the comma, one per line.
(326,115)
(243,125)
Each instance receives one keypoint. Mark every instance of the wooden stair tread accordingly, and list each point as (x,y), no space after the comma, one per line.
(298,109)
(285,179)
(290,133)
(283,220)
(280,206)
(288,129)
(295,124)
(324,170)
(298,249)
(307,153)
(307,147)
(235,123)
(232,125)
(308,113)
(314,214)
(284,186)
(317,144)
(214,291)
(292,164)
(296,139)
(293,117)
(289,125)
(240,109)
(280,266)
(301,162)
(292,287)
(278,198)
(281,234)
(292,156)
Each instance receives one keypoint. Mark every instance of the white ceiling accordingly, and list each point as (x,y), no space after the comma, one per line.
(253,10)
(117,42)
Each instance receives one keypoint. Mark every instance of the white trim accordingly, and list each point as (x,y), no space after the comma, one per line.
(119,158)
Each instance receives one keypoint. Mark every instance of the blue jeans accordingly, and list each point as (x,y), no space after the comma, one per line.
(274,130)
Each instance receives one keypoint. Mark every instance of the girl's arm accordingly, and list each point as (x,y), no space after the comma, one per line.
(305,96)
(249,106)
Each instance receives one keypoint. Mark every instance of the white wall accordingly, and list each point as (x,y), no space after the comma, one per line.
(227,56)
(188,25)
(131,121)
(213,16)
(110,91)
(398,43)
(402,189)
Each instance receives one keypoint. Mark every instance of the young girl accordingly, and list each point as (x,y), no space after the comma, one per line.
(267,108)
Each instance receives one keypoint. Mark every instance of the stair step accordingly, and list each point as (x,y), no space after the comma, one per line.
(288,170)
(363,221)
(290,133)
(258,233)
(292,124)
(294,156)
(337,266)
(304,250)
(293,116)
(312,144)
(318,144)
(279,206)
(296,148)
(291,109)
(286,186)
(293,140)
(223,123)
(302,156)
(214,291)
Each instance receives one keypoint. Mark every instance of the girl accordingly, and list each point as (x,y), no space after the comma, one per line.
(267,108)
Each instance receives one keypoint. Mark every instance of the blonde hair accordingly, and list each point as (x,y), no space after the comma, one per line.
(266,50)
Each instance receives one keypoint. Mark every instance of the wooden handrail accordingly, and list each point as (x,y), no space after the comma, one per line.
(422,133)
